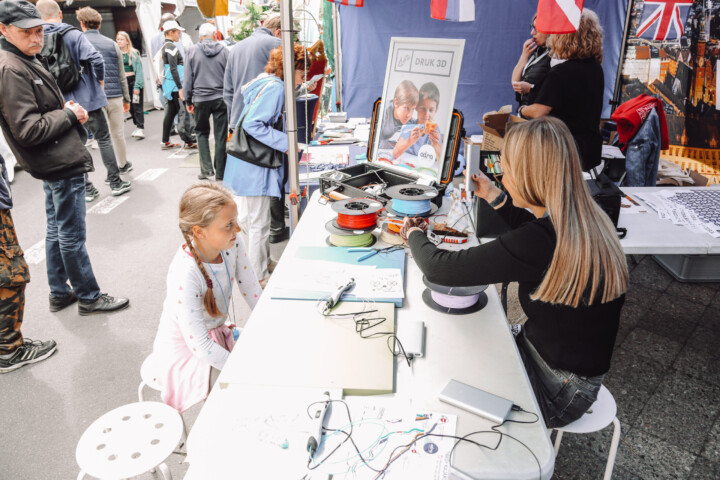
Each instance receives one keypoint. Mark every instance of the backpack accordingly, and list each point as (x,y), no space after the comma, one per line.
(159,65)
(61,64)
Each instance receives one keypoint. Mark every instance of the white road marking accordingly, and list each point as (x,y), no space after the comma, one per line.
(182,153)
(107,204)
(150,175)
(35,254)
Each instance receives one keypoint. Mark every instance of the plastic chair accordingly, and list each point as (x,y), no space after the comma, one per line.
(130,440)
(601,414)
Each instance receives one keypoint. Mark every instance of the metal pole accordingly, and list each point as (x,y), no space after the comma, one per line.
(338,56)
(286,23)
(618,78)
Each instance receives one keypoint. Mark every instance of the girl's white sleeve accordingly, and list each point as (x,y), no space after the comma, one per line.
(190,295)
(245,276)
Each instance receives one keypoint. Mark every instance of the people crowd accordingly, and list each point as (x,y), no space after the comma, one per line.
(556,227)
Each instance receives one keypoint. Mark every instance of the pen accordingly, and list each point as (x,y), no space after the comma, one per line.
(318,418)
(632,201)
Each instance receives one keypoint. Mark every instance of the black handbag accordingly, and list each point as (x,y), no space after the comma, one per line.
(607,195)
(246,148)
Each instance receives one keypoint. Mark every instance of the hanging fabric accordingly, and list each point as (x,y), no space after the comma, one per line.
(453,10)
(558,16)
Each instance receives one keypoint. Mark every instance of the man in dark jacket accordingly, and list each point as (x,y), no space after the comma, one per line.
(116,87)
(48,140)
(203,88)
(89,93)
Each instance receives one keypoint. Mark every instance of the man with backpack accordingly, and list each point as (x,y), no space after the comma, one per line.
(88,92)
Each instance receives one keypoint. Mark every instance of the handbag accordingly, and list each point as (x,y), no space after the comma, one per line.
(246,148)
(607,195)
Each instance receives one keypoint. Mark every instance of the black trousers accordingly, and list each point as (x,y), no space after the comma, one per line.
(203,110)
(136,109)
(171,109)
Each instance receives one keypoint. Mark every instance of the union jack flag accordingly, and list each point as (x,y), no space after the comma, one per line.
(663,19)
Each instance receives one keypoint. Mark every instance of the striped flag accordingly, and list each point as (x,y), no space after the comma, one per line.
(558,16)
(453,10)
(663,19)
(349,3)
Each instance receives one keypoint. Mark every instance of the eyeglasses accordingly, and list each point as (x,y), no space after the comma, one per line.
(532,27)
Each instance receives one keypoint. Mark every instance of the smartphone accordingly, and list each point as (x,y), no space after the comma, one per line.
(472,167)
(476,401)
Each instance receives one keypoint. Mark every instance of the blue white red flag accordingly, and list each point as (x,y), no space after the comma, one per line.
(558,16)
(453,10)
(349,3)
(663,19)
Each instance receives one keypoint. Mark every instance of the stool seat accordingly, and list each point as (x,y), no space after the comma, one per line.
(130,440)
(599,416)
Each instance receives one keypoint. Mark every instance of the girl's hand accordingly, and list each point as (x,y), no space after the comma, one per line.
(485,188)
(412,223)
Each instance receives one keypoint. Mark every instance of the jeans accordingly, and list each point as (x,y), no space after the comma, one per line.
(66,256)
(643,153)
(136,109)
(98,125)
(218,110)
(563,396)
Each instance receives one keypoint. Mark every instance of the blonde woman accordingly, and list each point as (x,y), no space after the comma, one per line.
(573,88)
(134,75)
(564,254)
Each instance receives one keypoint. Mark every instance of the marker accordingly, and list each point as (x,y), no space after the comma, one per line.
(318,418)
(632,201)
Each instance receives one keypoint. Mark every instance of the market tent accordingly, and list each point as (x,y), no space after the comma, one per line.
(493,43)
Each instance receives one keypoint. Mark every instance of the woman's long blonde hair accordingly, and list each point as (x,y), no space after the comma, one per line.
(586,42)
(541,157)
(199,206)
(131,49)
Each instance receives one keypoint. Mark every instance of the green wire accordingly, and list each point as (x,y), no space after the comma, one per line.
(351,240)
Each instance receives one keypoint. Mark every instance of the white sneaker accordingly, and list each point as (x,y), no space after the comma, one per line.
(139,133)
(134,134)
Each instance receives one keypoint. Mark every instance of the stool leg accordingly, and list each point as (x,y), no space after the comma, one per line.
(140,392)
(165,471)
(81,475)
(613,449)
(558,439)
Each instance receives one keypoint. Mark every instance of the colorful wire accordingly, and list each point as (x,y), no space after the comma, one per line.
(411,207)
(362,240)
(452,301)
(357,222)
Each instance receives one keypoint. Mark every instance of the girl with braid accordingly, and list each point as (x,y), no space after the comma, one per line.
(193,341)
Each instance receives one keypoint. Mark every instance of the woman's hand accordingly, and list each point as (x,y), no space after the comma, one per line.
(485,188)
(410,224)
(528,48)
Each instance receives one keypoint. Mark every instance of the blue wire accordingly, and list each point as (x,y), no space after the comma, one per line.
(411,207)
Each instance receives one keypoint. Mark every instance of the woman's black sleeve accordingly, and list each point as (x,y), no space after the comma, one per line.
(520,255)
(513,215)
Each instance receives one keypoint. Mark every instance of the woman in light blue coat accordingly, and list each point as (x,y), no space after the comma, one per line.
(264,99)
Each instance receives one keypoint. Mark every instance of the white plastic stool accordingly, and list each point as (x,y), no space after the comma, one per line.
(148,378)
(130,440)
(601,414)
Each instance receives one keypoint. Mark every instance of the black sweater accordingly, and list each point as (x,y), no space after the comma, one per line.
(579,340)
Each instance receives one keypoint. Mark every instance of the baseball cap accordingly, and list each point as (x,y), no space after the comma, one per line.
(169,25)
(20,13)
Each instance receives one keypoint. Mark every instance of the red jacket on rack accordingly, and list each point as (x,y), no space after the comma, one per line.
(631,114)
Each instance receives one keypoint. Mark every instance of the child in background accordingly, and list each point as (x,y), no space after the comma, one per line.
(193,342)
(399,113)
(425,132)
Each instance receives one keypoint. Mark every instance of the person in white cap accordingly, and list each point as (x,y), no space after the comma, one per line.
(172,60)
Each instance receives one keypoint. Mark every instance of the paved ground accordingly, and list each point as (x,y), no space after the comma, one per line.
(665,374)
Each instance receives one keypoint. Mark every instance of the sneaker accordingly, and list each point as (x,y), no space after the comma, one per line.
(105,303)
(107,181)
(139,134)
(58,303)
(190,145)
(280,236)
(91,195)
(168,145)
(29,352)
(203,176)
(127,168)
(124,187)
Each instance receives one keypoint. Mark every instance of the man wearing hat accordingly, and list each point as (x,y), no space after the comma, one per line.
(48,140)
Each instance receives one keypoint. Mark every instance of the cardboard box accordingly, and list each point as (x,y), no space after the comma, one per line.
(495,126)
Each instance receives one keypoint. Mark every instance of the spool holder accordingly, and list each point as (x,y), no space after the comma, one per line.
(457,291)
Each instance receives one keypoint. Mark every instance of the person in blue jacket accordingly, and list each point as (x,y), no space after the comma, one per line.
(264,104)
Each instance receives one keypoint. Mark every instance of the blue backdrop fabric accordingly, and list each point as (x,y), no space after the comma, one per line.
(493,43)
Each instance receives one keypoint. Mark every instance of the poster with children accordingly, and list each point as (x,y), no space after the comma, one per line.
(417,103)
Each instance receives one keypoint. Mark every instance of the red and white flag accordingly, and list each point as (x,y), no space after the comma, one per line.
(558,16)
(453,10)
(349,3)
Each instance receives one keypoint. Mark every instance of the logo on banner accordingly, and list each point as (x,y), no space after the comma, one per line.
(663,19)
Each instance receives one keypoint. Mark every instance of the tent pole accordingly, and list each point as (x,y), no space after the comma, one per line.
(618,78)
(338,56)
(286,23)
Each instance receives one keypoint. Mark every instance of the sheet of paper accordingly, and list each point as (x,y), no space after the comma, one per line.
(698,209)
(380,424)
